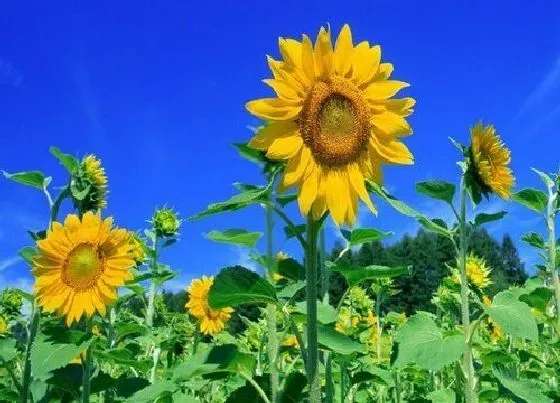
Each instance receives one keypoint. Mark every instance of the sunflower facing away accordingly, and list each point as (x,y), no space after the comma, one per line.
(90,179)
(478,273)
(3,325)
(490,161)
(212,321)
(332,121)
(79,266)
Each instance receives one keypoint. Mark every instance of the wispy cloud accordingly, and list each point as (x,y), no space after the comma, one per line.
(9,262)
(243,258)
(91,107)
(549,82)
(9,74)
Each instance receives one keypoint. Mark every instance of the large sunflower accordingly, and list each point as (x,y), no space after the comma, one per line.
(79,266)
(212,321)
(490,161)
(333,121)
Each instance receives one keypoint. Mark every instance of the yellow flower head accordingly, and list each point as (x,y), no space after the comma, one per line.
(290,341)
(3,325)
(95,178)
(486,300)
(79,266)
(212,321)
(496,332)
(477,271)
(371,319)
(137,249)
(490,161)
(333,121)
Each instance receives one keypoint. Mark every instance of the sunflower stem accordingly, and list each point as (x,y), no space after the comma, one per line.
(55,207)
(271,308)
(86,377)
(550,216)
(314,382)
(152,290)
(468,369)
(32,332)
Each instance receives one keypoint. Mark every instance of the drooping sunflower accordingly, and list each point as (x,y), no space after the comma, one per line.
(79,266)
(137,249)
(489,161)
(3,325)
(89,181)
(478,272)
(333,121)
(212,321)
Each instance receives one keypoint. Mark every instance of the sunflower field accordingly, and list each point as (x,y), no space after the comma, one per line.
(95,327)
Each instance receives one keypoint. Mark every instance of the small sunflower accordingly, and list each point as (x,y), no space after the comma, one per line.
(477,271)
(486,300)
(489,161)
(212,321)
(166,222)
(290,341)
(346,321)
(137,249)
(91,180)
(3,325)
(333,121)
(79,266)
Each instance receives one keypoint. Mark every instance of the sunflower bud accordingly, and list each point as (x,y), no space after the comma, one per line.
(3,325)
(89,185)
(137,249)
(166,223)
(11,302)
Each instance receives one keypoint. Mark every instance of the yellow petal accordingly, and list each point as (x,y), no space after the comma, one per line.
(384,71)
(323,54)
(365,62)
(352,211)
(273,109)
(343,50)
(265,136)
(337,195)
(296,167)
(402,107)
(308,192)
(307,57)
(285,147)
(384,89)
(357,183)
(284,90)
(390,124)
(393,150)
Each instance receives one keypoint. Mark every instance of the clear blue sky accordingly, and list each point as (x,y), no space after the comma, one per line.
(157,90)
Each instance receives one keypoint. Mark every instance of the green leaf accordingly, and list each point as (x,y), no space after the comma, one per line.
(27,253)
(284,200)
(47,356)
(251,154)
(70,162)
(547,180)
(153,392)
(531,198)
(434,226)
(293,391)
(331,340)
(488,395)
(398,205)
(238,285)
(325,313)
(513,316)
(124,329)
(442,396)
(222,358)
(522,388)
(101,382)
(34,179)
(292,232)
(355,275)
(291,289)
(538,298)
(126,387)
(291,268)
(235,236)
(483,218)
(437,189)
(7,350)
(534,239)
(421,342)
(363,235)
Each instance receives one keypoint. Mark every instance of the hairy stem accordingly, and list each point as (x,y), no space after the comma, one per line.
(550,216)
(86,377)
(32,332)
(271,308)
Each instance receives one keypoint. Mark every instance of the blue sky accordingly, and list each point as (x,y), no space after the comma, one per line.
(157,91)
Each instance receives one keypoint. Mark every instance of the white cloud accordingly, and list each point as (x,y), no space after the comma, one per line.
(9,262)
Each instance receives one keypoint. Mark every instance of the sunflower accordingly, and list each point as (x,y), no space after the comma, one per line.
(290,341)
(346,321)
(92,177)
(3,325)
(79,266)
(489,161)
(332,121)
(477,271)
(212,321)
(137,249)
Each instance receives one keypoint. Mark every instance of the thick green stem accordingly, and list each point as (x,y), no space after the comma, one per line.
(468,368)
(257,387)
(397,387)
(271,308)
(152,291)
(86,377)
(329,389)
(550,216)
(155,358)
(325,273)
(314,382)
(378,326)
(33,326)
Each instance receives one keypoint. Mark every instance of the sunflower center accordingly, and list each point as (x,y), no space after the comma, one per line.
(334,122)
(83,267)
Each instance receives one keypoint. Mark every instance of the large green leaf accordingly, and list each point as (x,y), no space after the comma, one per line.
(291,268)
(27,253)
(538,298)
(291,289)
(534,239)
(331,340)
(483,218)
(363,235)
(532,198)
(7,349)
(422,342)
(235,236)
(442,396)
(355,275)
(525,389)
(435,225)
(513,316)
(547,180)
(293,232)
(34,179)
(437,189)
(325,312)
(222,358)
(293,389)
(70,162)
(238,285)
(47,356)
(251,154)
(153,392)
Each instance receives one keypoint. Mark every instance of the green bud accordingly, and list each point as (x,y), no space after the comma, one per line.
(166,223)
(11,301)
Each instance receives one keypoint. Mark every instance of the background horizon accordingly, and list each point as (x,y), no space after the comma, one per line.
(158,94)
